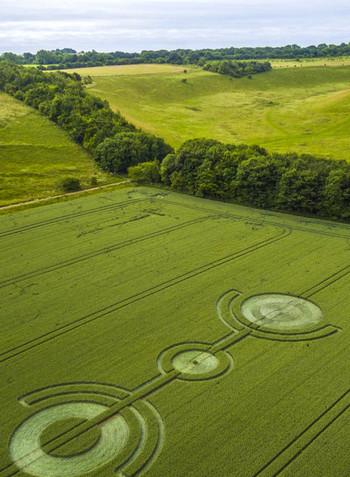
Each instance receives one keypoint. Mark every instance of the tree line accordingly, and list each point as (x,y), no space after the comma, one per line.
(69,58)
(253,176)
(238,69)
(114,143)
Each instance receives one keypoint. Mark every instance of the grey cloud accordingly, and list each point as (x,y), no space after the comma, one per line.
(136,25)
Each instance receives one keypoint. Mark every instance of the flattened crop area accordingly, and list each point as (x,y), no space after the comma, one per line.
(150,333)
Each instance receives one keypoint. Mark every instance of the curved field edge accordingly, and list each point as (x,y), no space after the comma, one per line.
(33,203)
(36,155)
(300,109)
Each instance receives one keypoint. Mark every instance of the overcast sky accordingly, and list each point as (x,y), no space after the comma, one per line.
(133,25)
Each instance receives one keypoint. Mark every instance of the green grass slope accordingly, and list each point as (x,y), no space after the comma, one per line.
(35,155)
(106,286)
(304,109)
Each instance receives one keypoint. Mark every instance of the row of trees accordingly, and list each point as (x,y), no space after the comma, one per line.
(90,122)
(238,69)
(250,175)
(69,58)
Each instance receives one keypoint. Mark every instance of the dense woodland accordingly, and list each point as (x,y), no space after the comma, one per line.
(69,58)
(251,175)
(111,140)
(238,69)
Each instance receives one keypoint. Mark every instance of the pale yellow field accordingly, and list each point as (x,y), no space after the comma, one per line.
(128,70)
(308,62)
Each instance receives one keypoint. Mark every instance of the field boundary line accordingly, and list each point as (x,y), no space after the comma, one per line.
(266,469)
(256,221)
(329,281)
(19,349)
(73,215)
(266,221)
(60,196)
(102,251)
(323,429)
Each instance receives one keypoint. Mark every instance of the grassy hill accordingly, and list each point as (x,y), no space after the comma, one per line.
(302,107)
(166,335)
(35,155)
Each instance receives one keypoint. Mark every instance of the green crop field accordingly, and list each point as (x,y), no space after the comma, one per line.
(150,333)
(302,109)
(35,155)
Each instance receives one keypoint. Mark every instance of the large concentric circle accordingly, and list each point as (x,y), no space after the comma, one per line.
(281,313)
(26,443)
(127,441)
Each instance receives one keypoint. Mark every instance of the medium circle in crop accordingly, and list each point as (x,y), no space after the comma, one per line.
(281,313)
(195,362)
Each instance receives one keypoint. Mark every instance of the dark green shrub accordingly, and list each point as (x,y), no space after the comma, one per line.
(70,184)
(145,173)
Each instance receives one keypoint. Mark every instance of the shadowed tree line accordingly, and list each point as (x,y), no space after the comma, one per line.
(69,58)
(253,176)
(106,135)
(238,69)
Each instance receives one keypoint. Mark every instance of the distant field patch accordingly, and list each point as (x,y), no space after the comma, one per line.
(127,70)
(35,155)
(307,62)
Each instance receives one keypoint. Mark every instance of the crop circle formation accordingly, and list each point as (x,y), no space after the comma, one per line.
(126,439)
(195,362)
(281,313)
(26,448)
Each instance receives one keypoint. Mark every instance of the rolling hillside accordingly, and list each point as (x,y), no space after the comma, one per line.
(35,155)
(303,109)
